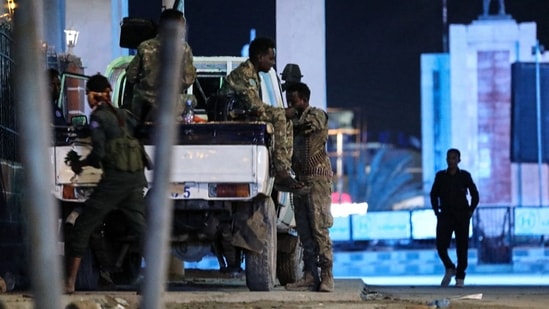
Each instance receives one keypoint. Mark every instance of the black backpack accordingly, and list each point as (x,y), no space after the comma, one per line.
(133,31)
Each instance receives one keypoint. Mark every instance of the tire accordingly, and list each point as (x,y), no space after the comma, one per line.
(261,267)
(289,265)
(115,241)
(130,270)
(88,273)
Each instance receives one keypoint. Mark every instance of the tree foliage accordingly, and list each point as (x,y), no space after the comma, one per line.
(383,178)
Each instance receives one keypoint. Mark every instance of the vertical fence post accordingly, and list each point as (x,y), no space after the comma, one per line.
(31,99)
(160,206)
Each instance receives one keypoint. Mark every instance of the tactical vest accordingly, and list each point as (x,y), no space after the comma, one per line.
(125,153)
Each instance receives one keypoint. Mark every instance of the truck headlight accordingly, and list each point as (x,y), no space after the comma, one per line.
(76,193)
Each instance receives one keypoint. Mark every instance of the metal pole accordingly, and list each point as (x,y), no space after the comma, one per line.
(160,206)
(444,27)
(339,164)
(32,107)
(538,121)
(54,21)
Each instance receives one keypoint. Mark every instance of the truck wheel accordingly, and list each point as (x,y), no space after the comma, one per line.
(88,273)
(289,265)
(261,267)
(130,270)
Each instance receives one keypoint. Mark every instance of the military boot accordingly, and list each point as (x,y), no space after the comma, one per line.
(307,283)
(326,280)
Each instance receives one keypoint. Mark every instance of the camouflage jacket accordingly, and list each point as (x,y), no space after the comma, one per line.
(246,84)
(310,136)
(144,69)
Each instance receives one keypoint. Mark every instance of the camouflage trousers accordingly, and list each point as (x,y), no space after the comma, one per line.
(141,108)
(313,219)
(283,136)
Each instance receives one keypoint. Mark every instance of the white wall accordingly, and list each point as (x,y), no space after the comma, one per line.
(301,39)
(98,22)
(300,28)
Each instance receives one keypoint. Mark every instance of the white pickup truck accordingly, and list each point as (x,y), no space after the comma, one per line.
(221,182)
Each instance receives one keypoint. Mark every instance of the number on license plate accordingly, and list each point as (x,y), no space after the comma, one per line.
(179,190)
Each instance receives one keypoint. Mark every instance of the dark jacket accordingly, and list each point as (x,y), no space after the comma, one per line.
(449,192)
(106,123)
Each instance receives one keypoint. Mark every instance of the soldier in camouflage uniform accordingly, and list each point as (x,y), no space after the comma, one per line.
(143,70)
(122,183)
(312,212)
(245,83)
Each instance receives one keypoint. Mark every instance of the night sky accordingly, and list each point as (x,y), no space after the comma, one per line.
(373,48)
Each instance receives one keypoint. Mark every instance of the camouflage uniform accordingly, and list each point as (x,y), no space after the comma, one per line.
(116,189)
(144,72)
(246,84)
(312,212)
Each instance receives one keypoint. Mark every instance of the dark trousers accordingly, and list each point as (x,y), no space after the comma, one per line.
(447,224)
(122,192)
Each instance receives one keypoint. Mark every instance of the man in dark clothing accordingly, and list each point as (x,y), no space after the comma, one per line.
(450,204)
(123,180)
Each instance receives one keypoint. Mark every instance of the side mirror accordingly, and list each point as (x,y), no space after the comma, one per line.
(79,120)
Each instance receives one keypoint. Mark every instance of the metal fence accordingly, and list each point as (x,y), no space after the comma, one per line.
(8,123)
(494,231)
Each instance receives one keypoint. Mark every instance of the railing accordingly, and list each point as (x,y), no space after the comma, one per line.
(494,231)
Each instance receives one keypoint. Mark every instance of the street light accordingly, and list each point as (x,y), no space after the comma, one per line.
(71,37)
(11,6)
(9,10)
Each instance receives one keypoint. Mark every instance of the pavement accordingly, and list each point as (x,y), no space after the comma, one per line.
(208,293)
(472,296)
(392,279)
(472,280)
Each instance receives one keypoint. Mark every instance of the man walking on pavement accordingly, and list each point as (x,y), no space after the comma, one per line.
(450,204)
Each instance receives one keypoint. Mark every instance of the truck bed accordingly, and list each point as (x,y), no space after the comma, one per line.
(204,154)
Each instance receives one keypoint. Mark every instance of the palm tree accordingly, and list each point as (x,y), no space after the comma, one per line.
(385,179)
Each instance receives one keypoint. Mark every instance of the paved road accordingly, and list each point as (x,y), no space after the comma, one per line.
(208,292)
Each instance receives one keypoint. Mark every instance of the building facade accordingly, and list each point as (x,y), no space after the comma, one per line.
(466,104)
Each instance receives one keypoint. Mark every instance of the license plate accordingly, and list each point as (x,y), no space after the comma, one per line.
(182,191)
